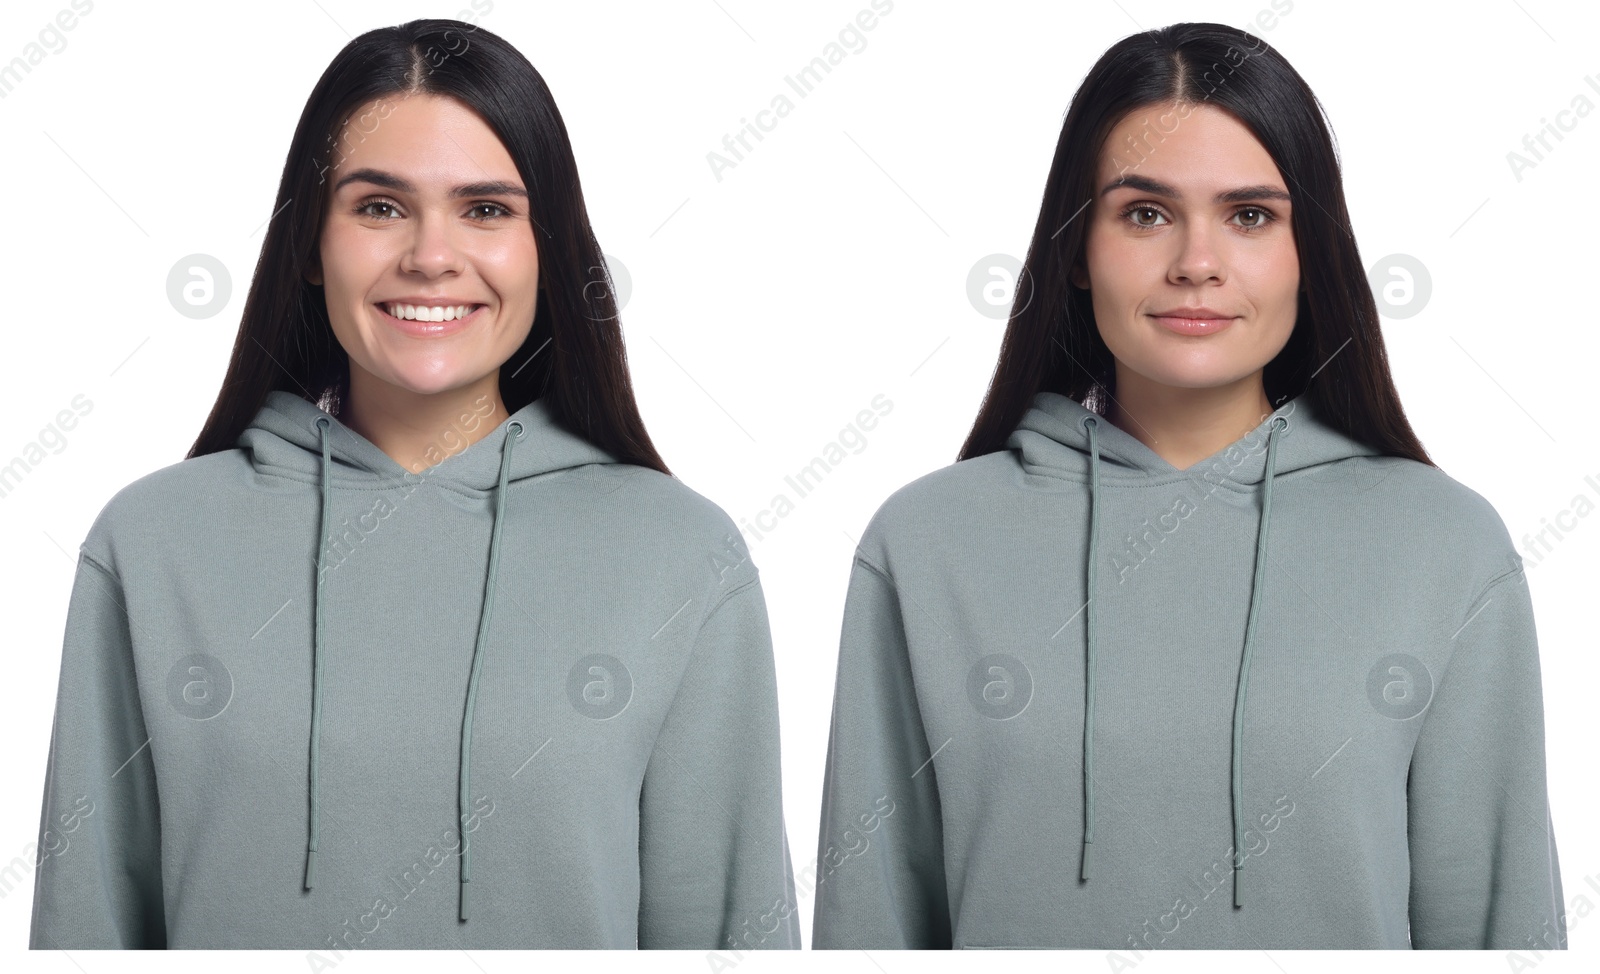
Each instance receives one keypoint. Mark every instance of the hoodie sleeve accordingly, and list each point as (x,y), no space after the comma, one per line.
(714,867)
(1484,873)
(98,881)
(880,851)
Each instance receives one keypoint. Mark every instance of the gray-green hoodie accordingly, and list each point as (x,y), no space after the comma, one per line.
(1074,679)
(531,703)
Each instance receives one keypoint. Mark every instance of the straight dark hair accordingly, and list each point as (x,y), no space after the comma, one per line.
(285,340)
(1335,354)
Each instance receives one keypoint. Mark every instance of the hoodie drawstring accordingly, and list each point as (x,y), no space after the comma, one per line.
(1257,582)
(314,814)
(513,433)
(1090,423)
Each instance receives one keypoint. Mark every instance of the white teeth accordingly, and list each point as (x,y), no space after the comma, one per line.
(412,312)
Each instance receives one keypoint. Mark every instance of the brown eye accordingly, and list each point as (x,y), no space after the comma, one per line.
(365,209)
(1138,211)
(1254,217)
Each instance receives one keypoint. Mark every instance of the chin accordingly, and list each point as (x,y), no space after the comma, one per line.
(428,385)
(1176,376)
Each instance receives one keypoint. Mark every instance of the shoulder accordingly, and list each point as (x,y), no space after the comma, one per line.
(656,500)
(1449,522)
(659,517)
(158,508)
(925,509)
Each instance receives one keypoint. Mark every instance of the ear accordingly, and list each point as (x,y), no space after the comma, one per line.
(1079,277)
(314,273)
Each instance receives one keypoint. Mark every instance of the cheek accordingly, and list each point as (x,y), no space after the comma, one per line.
(1282,263)
(1118,278)
(1270,278)
(350,262)
(511,271)
(1279,283)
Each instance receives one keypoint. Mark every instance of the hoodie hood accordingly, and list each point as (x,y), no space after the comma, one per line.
(1060,437)
(291,432)
(1053,439)
(286,434)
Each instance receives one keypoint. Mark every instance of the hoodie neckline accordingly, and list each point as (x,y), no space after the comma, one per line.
(1060,437)
(290,433)
(1052,441)
(284,435)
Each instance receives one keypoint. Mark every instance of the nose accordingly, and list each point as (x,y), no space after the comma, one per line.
(434,248)
(1198,259)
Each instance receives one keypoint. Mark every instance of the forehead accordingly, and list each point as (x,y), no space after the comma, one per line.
(1197,148)
(431,140)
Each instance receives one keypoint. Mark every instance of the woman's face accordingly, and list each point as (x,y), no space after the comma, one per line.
(426,210)
(1192,265)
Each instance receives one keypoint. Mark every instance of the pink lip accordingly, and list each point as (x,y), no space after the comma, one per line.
(430,329)
(1183,325)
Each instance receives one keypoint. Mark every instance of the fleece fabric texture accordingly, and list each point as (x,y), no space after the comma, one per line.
(531,704)
(1288,697)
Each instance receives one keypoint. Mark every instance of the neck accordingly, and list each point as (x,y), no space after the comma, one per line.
(418,430)
(1184,426)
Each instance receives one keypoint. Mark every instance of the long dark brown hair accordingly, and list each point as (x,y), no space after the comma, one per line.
(1051,342)
(285,340)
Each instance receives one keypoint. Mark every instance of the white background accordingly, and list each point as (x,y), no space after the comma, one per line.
(768,308)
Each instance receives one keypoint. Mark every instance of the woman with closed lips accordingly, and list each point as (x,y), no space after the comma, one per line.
(1191,250)
(422,646)
(1194,646)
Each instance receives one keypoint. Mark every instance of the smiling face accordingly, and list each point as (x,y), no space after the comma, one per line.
(1191,260)
(427,218)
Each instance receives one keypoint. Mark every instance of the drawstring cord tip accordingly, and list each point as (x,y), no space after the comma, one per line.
(1084,873)
(311,864)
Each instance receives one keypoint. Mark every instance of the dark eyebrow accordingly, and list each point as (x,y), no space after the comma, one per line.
(1156,187)
(390,181)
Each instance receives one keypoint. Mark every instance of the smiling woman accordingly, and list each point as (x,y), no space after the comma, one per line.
(270,747)
(427,260)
